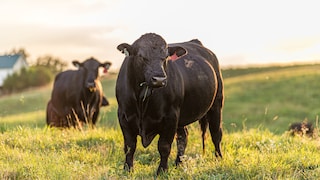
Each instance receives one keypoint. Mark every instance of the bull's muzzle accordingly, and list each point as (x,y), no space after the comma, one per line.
(158,81)
(91,86)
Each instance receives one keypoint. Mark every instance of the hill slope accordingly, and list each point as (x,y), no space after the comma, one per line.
(271,97)
(266,97)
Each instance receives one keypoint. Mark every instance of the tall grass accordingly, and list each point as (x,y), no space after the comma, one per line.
(37,153)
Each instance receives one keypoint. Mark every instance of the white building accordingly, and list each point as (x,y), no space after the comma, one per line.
(10,64)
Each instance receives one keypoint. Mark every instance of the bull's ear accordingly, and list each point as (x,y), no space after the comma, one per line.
(105,101)
(106,65)
(76,64)
(176,52)
(125,49)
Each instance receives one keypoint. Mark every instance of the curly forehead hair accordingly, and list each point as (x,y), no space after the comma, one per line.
(150,40)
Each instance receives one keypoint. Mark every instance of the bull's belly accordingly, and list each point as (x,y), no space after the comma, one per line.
(194,111)
(197,101)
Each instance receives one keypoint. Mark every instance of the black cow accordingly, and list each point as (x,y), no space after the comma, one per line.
(161,88)
(77,95)
(301,128)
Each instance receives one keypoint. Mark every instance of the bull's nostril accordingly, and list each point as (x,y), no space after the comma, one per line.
(159,81)
(90,84)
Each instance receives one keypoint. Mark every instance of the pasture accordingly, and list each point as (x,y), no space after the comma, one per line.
(260,104)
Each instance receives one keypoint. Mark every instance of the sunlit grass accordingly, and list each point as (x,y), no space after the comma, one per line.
(34,153)
(259,106)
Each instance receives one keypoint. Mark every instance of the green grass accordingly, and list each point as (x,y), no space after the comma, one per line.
(272,99)
(259,106)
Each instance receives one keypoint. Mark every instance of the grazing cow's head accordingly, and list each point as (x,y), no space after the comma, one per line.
(90,68)
(150,52)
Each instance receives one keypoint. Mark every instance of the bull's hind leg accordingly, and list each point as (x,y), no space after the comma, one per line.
(182,140)
(214,117)
(204,126)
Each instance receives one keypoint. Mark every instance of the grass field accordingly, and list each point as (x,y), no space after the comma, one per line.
(260,104)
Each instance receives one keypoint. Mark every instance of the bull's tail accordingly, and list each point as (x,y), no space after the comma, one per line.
(204,126)
(49,109)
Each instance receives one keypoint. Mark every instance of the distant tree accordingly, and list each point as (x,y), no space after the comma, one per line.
(40,73)
(21,51)
(54,64)
(32,77)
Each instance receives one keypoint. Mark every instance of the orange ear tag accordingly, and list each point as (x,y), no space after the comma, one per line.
(174,57)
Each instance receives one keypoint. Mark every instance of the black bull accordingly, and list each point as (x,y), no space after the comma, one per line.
(163,87)
(77,95)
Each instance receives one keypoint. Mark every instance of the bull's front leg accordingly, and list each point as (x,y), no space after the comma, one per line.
(129,150)
(95,115)
(130,142)
(164,146)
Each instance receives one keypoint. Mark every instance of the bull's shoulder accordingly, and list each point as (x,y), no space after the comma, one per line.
(69,74)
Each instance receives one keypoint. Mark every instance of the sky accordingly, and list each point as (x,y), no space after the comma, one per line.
(240,33)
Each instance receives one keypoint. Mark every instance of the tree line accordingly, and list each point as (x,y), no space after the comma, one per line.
(39,73)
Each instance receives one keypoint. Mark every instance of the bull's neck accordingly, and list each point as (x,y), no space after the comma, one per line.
(135,74)
(88,96)
(138,85)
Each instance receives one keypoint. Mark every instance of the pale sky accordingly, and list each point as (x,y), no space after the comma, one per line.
(239,32)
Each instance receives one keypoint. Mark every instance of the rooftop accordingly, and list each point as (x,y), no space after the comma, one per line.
(8,61)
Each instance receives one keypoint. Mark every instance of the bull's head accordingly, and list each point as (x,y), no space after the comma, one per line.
(90,67)
(150,55)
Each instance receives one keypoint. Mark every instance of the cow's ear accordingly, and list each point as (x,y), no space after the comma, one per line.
(76,64)
(126,49)
(176,52)
(106,65)
(105,101)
